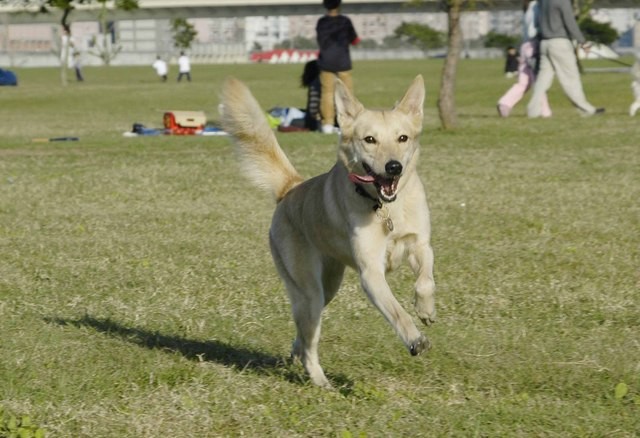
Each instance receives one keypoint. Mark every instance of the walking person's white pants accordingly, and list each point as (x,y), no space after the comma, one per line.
(557,56)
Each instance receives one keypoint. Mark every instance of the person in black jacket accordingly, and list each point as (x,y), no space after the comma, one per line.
(311,81)
(335,33)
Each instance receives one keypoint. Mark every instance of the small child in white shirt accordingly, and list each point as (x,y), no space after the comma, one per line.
(160,67)
(184,67)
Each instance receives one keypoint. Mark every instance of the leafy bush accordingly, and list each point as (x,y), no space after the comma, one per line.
(420,35)
(500,40)
(601,33)
(184,33)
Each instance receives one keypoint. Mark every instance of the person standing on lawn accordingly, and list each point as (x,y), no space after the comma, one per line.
(184,67)
(335,33)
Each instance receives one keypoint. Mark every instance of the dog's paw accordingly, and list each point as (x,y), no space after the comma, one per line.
(427,319)
(323,383)
(420,345)
(316,374)
(426,310)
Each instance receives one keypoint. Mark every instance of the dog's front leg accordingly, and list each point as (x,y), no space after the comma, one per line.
(421,261)
(376,287)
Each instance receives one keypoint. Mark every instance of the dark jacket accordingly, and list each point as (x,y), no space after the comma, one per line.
(335,34)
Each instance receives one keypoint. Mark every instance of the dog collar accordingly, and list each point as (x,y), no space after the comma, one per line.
(381,210)
(362,192)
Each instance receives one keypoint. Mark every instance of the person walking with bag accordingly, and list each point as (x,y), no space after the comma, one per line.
(527,63)
(558,27)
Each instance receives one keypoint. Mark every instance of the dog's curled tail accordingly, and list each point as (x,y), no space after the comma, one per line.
(262,159)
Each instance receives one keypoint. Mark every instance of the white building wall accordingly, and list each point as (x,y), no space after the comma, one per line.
(265,31)
(230,39)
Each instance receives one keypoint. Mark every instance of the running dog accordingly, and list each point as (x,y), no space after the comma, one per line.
(368,212)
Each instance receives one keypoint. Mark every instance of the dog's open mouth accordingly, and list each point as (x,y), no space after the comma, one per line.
(385,186)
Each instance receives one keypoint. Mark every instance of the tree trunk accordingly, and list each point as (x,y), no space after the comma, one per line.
(64,63)
(105,52)
(446,99)
(65,49)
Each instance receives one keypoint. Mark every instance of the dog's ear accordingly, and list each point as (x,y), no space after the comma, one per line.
(347,106)
(413,101)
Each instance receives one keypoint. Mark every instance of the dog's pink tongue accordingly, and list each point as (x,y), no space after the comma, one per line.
(362,179)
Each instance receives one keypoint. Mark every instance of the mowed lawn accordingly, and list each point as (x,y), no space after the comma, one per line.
(138,296)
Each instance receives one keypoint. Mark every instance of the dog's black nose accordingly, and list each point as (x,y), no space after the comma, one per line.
(393,167)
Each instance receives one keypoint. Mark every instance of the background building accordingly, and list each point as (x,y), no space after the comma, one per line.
(231,40)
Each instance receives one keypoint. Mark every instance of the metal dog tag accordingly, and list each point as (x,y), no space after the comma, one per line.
(389,223)
(383,214)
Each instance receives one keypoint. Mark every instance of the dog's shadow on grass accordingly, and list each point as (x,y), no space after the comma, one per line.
(242,359)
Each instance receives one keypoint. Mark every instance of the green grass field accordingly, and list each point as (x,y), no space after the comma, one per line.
(138,296)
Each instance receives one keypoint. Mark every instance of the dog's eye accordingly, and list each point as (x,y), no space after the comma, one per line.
(370,139)
(403,138)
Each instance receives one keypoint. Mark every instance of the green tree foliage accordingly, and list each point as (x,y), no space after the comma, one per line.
(601,33)
(420,35)
(183,33)
(500,40)
(582,8)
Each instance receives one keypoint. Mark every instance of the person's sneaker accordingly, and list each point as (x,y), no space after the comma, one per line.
(503,110)
(597,112)
(328,129)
